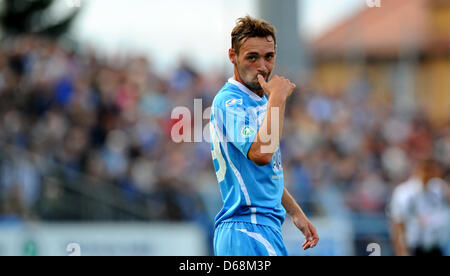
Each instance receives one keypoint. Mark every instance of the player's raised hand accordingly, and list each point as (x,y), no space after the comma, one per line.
(278,86)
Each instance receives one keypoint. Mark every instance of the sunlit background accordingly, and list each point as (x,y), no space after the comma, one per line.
(87,88)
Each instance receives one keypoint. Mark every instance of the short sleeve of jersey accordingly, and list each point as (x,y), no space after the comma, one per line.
(234,122)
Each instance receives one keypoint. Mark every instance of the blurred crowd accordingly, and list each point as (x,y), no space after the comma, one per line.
(101,118)
(109,119)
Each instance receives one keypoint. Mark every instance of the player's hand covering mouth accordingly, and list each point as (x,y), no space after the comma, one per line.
(262,75)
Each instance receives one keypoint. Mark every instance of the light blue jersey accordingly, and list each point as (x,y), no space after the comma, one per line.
(250,193)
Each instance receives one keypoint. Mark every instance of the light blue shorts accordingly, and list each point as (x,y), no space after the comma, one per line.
(247,239)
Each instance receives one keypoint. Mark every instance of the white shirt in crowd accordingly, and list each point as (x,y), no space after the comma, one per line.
(423,211)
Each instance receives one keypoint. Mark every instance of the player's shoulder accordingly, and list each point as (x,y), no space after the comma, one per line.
(230,96)
(407,188)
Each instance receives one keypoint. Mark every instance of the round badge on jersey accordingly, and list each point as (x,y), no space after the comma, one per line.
(247,131)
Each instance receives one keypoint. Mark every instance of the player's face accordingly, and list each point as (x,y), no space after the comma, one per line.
(256,56)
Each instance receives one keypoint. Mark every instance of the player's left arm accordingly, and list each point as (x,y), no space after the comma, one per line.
(300,220)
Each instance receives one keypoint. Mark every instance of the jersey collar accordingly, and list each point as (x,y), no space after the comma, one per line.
(245,89)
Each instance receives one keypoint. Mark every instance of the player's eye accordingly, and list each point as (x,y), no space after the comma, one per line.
(269,57)
(251,58)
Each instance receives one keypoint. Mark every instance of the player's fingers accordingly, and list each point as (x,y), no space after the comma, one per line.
(305,242)
(315,237)
(262,81)
(308,242)
(307,245)
(315,243)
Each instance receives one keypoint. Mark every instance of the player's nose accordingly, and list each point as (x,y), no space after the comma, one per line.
(262,68)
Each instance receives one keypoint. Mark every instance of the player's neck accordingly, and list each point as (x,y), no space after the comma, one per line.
(260,93)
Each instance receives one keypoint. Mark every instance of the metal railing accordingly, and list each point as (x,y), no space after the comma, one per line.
(67,194)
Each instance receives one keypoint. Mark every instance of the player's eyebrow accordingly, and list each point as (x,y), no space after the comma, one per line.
(257,54)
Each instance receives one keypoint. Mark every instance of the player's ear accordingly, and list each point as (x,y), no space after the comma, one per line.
(232,55)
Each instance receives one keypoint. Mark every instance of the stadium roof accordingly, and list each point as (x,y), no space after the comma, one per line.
(398,26)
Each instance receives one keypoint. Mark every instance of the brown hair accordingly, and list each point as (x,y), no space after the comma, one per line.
(250,27)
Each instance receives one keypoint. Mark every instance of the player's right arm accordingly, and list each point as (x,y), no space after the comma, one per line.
(278,89)
(398,215)
(398,239)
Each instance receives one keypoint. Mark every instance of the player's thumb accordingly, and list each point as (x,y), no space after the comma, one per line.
(262,81)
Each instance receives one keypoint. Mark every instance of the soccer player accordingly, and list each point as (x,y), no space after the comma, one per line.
(418,212)
(247,117)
